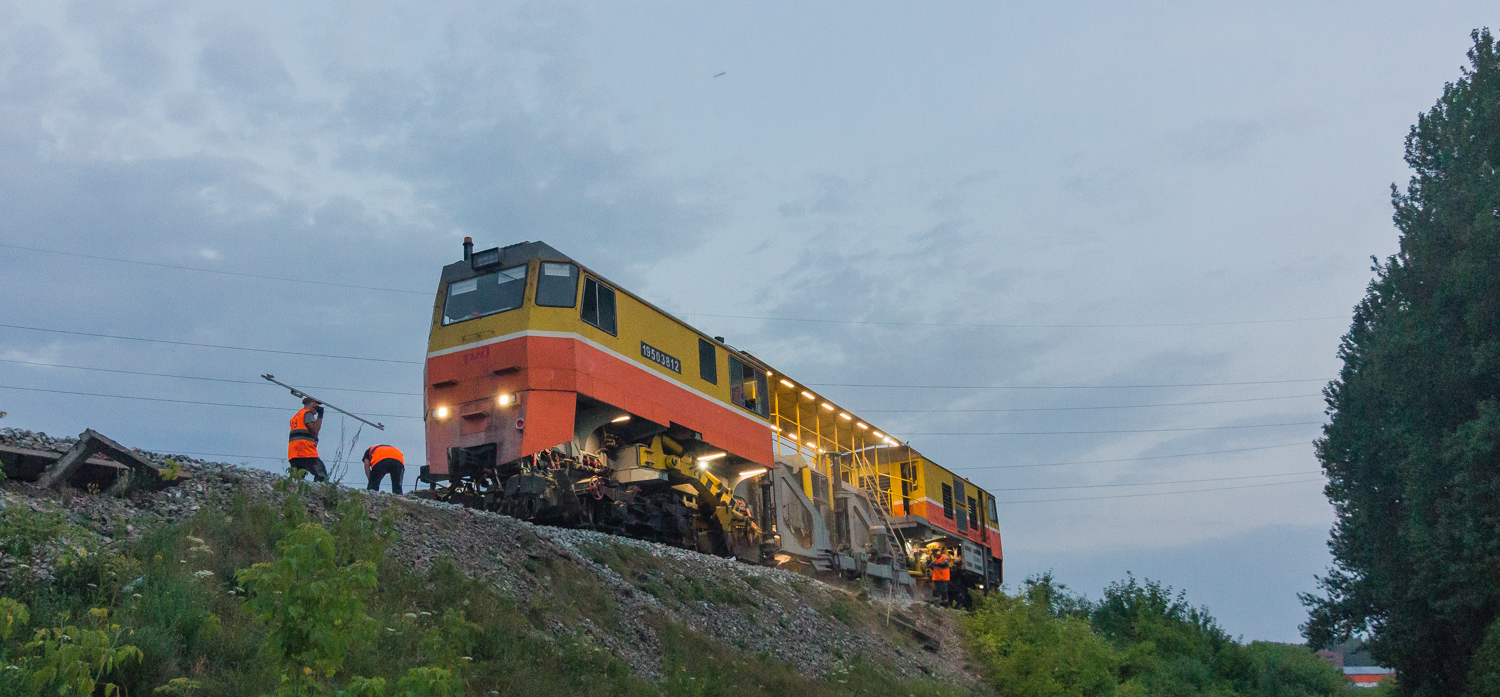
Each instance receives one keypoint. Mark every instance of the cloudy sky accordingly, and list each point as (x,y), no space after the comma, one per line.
(1113,248)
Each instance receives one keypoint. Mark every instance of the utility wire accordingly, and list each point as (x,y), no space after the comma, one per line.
(261,383)
(1128,459)
(1058,387)
(214,271)
(1177,481)
(1164,493)
(217,346)
(181,452)
(403,416)
(1137,430)
(177,401)
(959,325)
(818,384)
(1111,406)
(863,411)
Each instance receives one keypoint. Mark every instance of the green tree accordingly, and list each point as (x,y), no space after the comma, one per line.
(1411,449)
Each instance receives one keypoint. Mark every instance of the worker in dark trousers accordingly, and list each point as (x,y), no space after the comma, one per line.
(941,568)
(381,460)
(302,443)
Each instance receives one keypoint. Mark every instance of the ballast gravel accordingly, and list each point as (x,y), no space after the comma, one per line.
(818,628)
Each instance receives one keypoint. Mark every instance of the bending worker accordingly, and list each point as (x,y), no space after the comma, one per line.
(302,443)
(381,460)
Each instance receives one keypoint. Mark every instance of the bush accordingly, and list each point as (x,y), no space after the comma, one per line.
(1139,639)
(1032,652)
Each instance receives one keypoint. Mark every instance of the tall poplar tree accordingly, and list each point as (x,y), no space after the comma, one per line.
(1412,451)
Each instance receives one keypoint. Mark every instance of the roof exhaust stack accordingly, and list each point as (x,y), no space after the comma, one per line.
(468,248)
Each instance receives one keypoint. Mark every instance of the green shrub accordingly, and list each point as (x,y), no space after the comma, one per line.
(1031,652)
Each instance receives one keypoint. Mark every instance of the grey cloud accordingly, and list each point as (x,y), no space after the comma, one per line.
(239,62)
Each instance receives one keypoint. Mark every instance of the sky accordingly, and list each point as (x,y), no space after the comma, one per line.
(1096,258)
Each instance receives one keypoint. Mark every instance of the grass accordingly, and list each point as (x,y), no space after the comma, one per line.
(174,593)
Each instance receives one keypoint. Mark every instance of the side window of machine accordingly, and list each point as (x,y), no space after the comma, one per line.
(599,305)
(747,387)
(485,295)
(708,365)
(973,512)
(557,285)
(958,495)
(991,501)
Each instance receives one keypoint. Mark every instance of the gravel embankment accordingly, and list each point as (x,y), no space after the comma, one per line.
(814,626)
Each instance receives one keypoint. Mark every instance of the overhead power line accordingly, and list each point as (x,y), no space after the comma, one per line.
(220,272)
(810,384)
(260,383)
(964,325)
(1106,406)
(1175,481)
(1164,493)
(177,401)
(1135,430)
(1059,387)
(216,346)
(1129,459)
(814,320)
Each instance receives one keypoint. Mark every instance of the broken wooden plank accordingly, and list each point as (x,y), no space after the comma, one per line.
(91,442)
(65,465)
(27,465)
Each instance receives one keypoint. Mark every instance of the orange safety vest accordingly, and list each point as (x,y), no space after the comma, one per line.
(302,442)
(940,568)
(385,452)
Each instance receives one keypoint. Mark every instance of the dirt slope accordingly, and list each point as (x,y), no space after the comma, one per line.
(613,593)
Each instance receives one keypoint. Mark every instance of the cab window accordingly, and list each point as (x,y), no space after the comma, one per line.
(708,367)
(485,295)
(557,285)
(747,387)
(599,305)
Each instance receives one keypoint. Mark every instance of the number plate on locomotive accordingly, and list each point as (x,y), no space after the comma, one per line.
(660,357)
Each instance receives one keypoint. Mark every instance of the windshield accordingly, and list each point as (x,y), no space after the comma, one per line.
(485,295)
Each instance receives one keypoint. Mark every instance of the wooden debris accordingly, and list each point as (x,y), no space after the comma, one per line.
(91,443)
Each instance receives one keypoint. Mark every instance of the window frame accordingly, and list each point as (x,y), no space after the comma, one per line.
(541,275)
(614,306)
(708,369)
(525,279)
(762,386)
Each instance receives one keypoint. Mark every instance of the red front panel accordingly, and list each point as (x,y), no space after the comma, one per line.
(934,514)
(545,373)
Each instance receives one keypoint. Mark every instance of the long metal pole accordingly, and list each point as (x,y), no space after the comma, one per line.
(299,393)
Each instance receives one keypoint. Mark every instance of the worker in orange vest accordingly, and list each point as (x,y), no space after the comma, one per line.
(940,570)
(381,460)
(302,443)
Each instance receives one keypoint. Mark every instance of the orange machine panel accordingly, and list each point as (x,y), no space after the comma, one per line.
(543,372)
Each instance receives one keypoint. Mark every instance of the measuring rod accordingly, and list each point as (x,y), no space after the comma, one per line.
(299,393)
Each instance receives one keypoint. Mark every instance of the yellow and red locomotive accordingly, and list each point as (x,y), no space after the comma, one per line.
(556,396)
